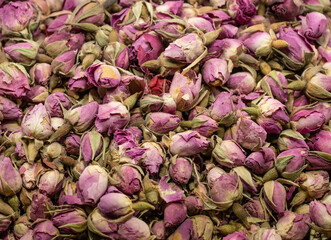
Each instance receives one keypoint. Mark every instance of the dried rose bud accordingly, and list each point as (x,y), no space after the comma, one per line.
(289,139)
(228,153)
(320,214)
(115,204)
(241,11)
(4,222)
(184,231)
(127,138)
(152,103)
(188,143)
(102,226)
(259,43)
(72,144)
(45,230)
(319,87)
(37,94)
(272,85)
(64,63)
(14,80)
(204,125)
(180,170)
(313,25)
(133,229)
(69,194)
(37,123)
(160,122)
(293,226)
(262,161)
(242,82)
(79,82)
(255,209)
(82,117)
(117,54)
(111,117)
(216,71)
(93,183)
(314,183)
(40,207)
(318,162)
(55,102)
(275,196)
(174,214)
(158,229)
(11,181)
(70,221)
(319,142)
(83,13)
(102,75)
(185,89)
(272,108)
(222,109)
(185,49)
(202,227)
(22,226)
(30,174)
(226,189)
(24,52)
(40,72)
(201,23)
(265,234)
(128,178)
(285,10)
(306,121)
(194,205)
(236,236)
(291,163)
(213,175)
(153,157)
(9,109)
(91,145)
(51,182)
(159,85)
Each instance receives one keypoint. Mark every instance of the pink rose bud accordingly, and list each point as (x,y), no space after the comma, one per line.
(320,214)
(37,123)
(315,183)
(51,182)
(14,80)
(72,144)
(272,108)
(317,162)
(102,75)
(69,194)
(4,223)
(313,25)
(222,109)
(242,82)
(64,63)
(45,231)
(300,101)
(55,102)
(216,71)
(82,117)
(236,236)
(291,163)
(319,142)
(117,54)
(289,139)
(37,94)
(185,49)
(40,72)
(21,15)
(174,214)
(184,231)
(10,178)
(255,209)
(293,226)
(23,52)
(111,117)
(266,234)
(83,14)
(203,24)
(93,183)
(40,207)
(307,121)
(128,178)
(188,143)
(147,47)
(180,170)
(79,82)
(9,109)
(228,153)
(127,138)
(71,221)
(213,175)
(242,11)
(185,89)
(101,225)
(275,196)
(194,205)
(158,229)
(115,205)
(259,43)
(285,10)
(226,189)
(160,122)
(262,161)
(121,92)
(58,23)
(319,87)
(272,85)
(30,174)
(204,125)
(91,145)
(133,229)
(153,157)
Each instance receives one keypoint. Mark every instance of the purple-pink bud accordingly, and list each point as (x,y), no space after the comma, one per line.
(54,102)
(174,214)
(262,161)
(216,71)
(180,170)
(102,75)
(313,25)
(275,196)
(161,122)
(242,82)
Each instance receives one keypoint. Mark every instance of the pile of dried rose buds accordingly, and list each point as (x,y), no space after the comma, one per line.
(175,120)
